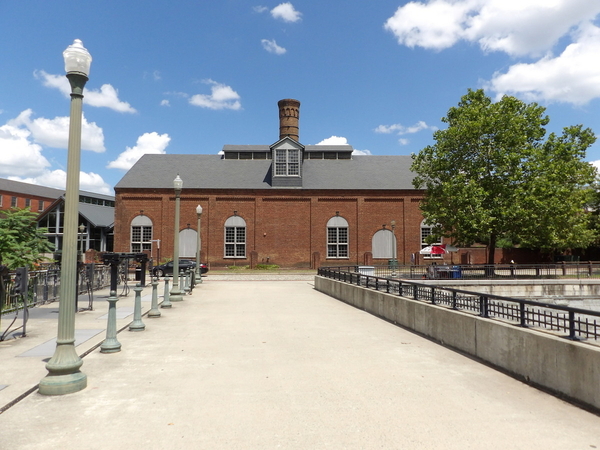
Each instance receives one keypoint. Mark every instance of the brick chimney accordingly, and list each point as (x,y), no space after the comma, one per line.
(289,116)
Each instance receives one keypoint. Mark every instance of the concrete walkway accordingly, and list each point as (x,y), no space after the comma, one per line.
(276,364)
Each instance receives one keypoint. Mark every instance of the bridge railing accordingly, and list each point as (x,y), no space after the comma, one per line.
(577,270)
(572,323)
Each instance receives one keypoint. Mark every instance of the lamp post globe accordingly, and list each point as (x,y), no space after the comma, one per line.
(199,246)
(176,294)
(64,376)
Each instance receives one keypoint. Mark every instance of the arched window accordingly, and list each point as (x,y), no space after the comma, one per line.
(141,234)
(235,237)
(337,237)
(188,241)
(382,244)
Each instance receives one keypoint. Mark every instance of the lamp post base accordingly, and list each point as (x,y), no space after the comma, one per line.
(176,296)
(63,384)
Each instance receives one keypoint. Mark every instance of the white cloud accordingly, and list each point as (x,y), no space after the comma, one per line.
(286,12)
(20,157)
(22,160)
(55,132)
(221,97)
(435,25)
(91,182)
(260,9)
(165,102)
(106,97)
(573,76)
(403,141)
(401,129)
(272,47)
(517,27)
(147,143)
(339,140)
(334,140)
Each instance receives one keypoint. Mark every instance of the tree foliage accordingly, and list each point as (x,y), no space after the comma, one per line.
(492,175)
(22,244)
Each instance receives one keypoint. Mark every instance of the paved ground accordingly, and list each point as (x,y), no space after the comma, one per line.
(274,364)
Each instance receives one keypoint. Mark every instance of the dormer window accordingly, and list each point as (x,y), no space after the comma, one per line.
(287,162)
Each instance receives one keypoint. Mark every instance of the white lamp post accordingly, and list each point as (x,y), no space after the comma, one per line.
(198,269)
(176,295)
(64,376)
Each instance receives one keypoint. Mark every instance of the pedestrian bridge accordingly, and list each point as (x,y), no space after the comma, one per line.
(496,330)
(251,364)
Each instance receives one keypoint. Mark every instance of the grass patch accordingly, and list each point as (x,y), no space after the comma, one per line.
(266,267)
(238,267)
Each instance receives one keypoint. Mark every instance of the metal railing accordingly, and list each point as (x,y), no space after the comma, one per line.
(578,270)
(572,323)
(43,287)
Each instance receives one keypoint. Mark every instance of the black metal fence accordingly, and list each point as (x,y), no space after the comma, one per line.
(43,286)
(578,270)
(573,323)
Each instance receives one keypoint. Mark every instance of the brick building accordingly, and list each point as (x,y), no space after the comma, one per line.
(288,204)
(16,194)
(96,212)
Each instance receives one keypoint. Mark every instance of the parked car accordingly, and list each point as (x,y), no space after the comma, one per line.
(167,268)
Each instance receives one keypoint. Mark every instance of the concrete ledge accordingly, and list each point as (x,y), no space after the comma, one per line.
(567,368)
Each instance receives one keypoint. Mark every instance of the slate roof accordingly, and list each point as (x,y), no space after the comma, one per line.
(19,187)
(213,172)
(29,189)
(98,216)
(266,148)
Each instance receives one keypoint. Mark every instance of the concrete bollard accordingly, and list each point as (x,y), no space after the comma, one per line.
(186,286)
(137,324)
(192,277)
(154,311)
(166,303)
(182,281)
(111,344)
(191,280)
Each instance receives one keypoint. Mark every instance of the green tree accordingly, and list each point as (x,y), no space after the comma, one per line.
(492,177)
(22,244)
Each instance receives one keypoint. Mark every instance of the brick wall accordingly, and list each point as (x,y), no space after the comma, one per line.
(6,201)
(283,227)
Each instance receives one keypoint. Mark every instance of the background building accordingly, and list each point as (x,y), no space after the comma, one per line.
(288,204)
(96,212)
(96,221)
(15,194)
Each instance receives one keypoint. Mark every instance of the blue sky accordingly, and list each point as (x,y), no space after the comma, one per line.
(192,76)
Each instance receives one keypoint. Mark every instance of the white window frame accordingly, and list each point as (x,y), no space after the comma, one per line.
(234,237)
(141,234)
(338,238)
(425,232)
(287,162)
